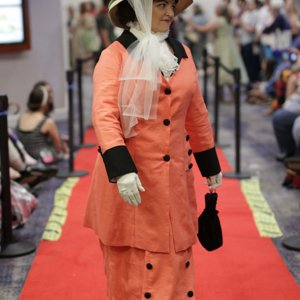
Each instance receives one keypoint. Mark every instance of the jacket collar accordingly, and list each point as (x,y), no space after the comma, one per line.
(127,38)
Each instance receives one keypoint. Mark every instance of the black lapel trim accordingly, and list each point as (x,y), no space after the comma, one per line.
(178,48)
(127,38)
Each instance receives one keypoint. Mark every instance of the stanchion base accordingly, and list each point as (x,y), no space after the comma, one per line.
(235,175)
(292,243)
(66,174)
(17,249)
(85,146)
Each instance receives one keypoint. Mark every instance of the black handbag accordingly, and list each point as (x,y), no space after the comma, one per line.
(209,226)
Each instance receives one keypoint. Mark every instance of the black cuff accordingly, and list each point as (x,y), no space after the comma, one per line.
(118,162)
(208,162)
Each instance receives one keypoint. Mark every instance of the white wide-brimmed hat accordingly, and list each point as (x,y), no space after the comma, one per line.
(112,7)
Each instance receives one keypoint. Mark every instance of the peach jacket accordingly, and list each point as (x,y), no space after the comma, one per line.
(160,153)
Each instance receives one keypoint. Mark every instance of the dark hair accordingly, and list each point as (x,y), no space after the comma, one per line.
(50,104)
(270,64)
(35,99)
(225,12)
(106,2)
(83,6)
(92,4)
(197,9)
(125,13)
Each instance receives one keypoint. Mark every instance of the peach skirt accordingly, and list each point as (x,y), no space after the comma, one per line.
(135,274)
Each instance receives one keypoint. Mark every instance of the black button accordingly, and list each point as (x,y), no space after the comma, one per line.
(187,264)
(167,122)
(166,157)
(190,152)
(190,165)
(190,294)
(149,266)
(168,91)
(187,137)
(147,295)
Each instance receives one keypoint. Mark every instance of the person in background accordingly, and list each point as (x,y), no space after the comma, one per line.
(292,163)
(267,90)
(225,46)
(247,38)
(73,42)
(37,131)
(19,159)
(236,17)
(86,39)
(50,108)
(24,169)
(230,7)
(265,17)
(149,117)
(293,17)
(93,8)
(283,118)
(50,103)
(104,26)
(278,32)
(280,22)
(296,135)
(196,40)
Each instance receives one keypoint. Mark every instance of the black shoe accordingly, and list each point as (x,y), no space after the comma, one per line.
(40,169)
(26,177)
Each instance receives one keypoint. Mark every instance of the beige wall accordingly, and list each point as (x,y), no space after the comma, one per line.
(45,60)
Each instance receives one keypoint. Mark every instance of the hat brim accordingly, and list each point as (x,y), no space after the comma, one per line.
(112,8)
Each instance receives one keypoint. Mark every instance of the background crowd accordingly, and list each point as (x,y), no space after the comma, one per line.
(261,38)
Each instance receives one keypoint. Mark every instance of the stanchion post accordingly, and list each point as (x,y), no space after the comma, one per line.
(5,180)
(71,172)
(70,81)
(237,95)
(8,247)
(79,90)
(79,64)
(217,97)
(217,67)
(205,75)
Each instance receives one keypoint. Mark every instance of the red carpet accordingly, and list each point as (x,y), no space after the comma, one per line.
(247,267)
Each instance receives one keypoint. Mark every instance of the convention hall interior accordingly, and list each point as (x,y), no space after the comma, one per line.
(150,149)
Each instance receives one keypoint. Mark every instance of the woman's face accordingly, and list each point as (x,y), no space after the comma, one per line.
(163,13)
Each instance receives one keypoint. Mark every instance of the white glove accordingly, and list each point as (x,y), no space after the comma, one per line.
(214,181)
(129,186)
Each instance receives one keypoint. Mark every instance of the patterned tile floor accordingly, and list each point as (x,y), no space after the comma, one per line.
(257,157)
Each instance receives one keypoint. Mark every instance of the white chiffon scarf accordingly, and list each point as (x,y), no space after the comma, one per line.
(141,71)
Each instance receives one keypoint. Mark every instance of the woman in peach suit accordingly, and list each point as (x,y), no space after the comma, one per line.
(149,118)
